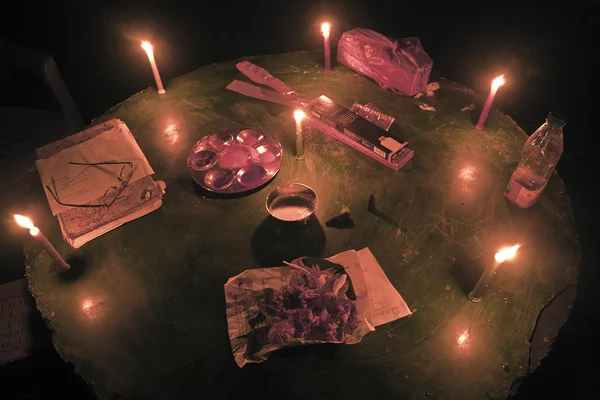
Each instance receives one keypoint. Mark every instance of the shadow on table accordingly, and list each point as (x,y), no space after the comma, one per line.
(320,371)
(275,241)
(384,217)
(467,271)
(78,267)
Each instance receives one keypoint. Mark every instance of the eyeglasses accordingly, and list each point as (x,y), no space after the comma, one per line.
(112,193)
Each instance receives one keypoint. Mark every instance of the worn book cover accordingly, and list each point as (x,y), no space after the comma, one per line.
(78,184)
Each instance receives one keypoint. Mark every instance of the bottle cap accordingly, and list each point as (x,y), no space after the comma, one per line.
(552,120)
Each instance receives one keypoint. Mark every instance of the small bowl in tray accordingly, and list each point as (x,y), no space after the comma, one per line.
(235,160)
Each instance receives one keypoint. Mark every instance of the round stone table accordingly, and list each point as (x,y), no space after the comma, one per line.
(142,313)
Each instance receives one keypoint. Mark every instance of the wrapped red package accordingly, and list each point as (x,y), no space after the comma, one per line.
(400,65)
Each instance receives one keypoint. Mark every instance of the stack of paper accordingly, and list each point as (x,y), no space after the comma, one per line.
(385,303)
(61,171)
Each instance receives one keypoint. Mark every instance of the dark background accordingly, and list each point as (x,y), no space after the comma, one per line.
(545,50)
(542,48)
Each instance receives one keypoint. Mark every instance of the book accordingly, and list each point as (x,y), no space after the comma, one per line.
(110,141)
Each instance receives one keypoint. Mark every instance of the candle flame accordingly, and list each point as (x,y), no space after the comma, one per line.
(24,221)
(147,46)
(299,115)
(325,28)
(507,253)
(499,81)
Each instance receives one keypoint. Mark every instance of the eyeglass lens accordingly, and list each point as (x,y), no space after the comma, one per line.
(114,191)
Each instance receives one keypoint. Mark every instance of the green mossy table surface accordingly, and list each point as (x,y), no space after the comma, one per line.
(142,313)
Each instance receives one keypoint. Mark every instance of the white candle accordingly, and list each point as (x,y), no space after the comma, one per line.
(299,116)
(507,253)
(148,47)
(43,241)
(325,29)
(496,83)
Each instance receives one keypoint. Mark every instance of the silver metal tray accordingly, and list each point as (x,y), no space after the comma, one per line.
(235,160)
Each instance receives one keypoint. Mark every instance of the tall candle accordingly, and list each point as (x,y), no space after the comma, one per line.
(299,116)
(150,52)
(43,241)
(507,253)
(325,28)
(496,83)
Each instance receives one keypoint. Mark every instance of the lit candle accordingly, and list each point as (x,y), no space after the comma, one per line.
(496,83)
(325,28)
(39,236)
(148,47)
(299,116)
(508,253)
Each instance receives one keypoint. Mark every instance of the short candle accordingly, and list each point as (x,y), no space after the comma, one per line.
(496,83)
(325,29)
(507,253)
(43,241)
(150,53)
(299,115)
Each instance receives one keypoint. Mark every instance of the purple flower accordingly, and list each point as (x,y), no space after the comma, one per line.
(274,307)
(312,306)
(281,332)
(324,317)
(316,278)
(302,318)
(333,332)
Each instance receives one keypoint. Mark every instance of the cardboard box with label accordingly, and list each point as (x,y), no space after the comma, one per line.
(367,134)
